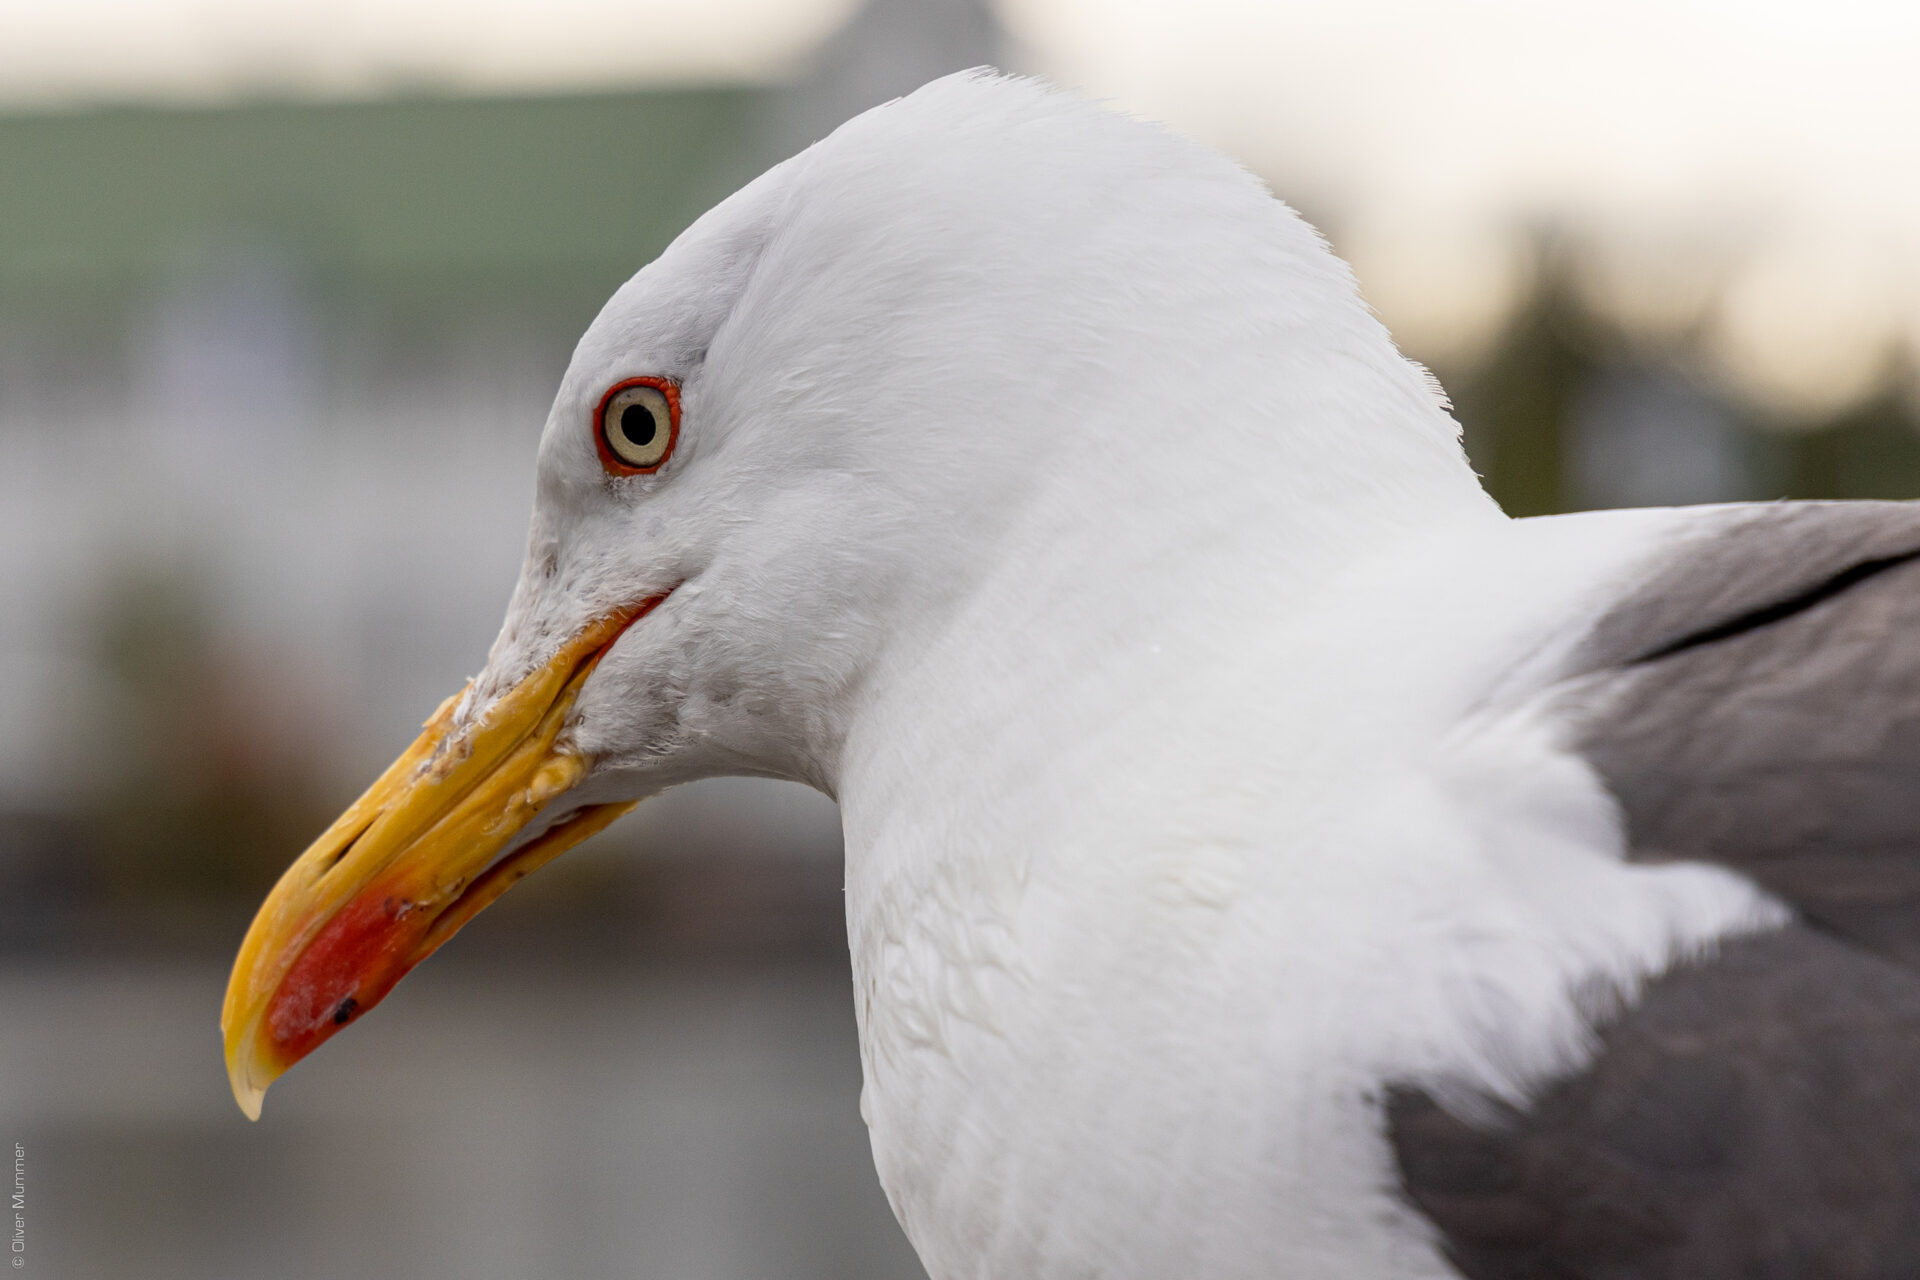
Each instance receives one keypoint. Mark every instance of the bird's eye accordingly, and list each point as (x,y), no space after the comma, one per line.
(638,421)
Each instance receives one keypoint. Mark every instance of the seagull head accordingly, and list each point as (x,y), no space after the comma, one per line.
(987,333)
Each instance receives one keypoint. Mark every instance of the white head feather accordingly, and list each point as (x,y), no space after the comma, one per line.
(986,320)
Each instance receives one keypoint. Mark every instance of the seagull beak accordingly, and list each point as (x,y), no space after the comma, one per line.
(415,858)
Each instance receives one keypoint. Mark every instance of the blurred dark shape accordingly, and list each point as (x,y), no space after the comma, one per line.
(1569,411)
(51,875)
(1646,435)
(1515,406)
(193,755)
(1872,451)
(214,770)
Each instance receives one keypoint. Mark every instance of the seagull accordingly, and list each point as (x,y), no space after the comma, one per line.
(1264,857)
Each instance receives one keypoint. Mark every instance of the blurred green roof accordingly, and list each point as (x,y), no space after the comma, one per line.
(422,187)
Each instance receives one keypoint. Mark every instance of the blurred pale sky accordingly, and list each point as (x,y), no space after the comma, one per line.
(1750,167)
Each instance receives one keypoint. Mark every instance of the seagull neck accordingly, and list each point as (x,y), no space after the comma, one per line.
(1091,613)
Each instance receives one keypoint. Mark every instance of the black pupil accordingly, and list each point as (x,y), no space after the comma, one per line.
(637,424)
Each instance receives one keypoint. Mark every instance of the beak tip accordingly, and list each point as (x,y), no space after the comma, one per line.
(246,1094)
(249,1099)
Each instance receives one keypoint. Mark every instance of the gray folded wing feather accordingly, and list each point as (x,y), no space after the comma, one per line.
(1776,729)
(1756,1112)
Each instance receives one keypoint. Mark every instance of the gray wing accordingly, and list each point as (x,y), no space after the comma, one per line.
(1755,1113)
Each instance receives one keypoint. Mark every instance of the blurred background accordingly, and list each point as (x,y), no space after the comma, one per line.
(285,291)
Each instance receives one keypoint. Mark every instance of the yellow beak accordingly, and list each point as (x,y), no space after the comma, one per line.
(410,862)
